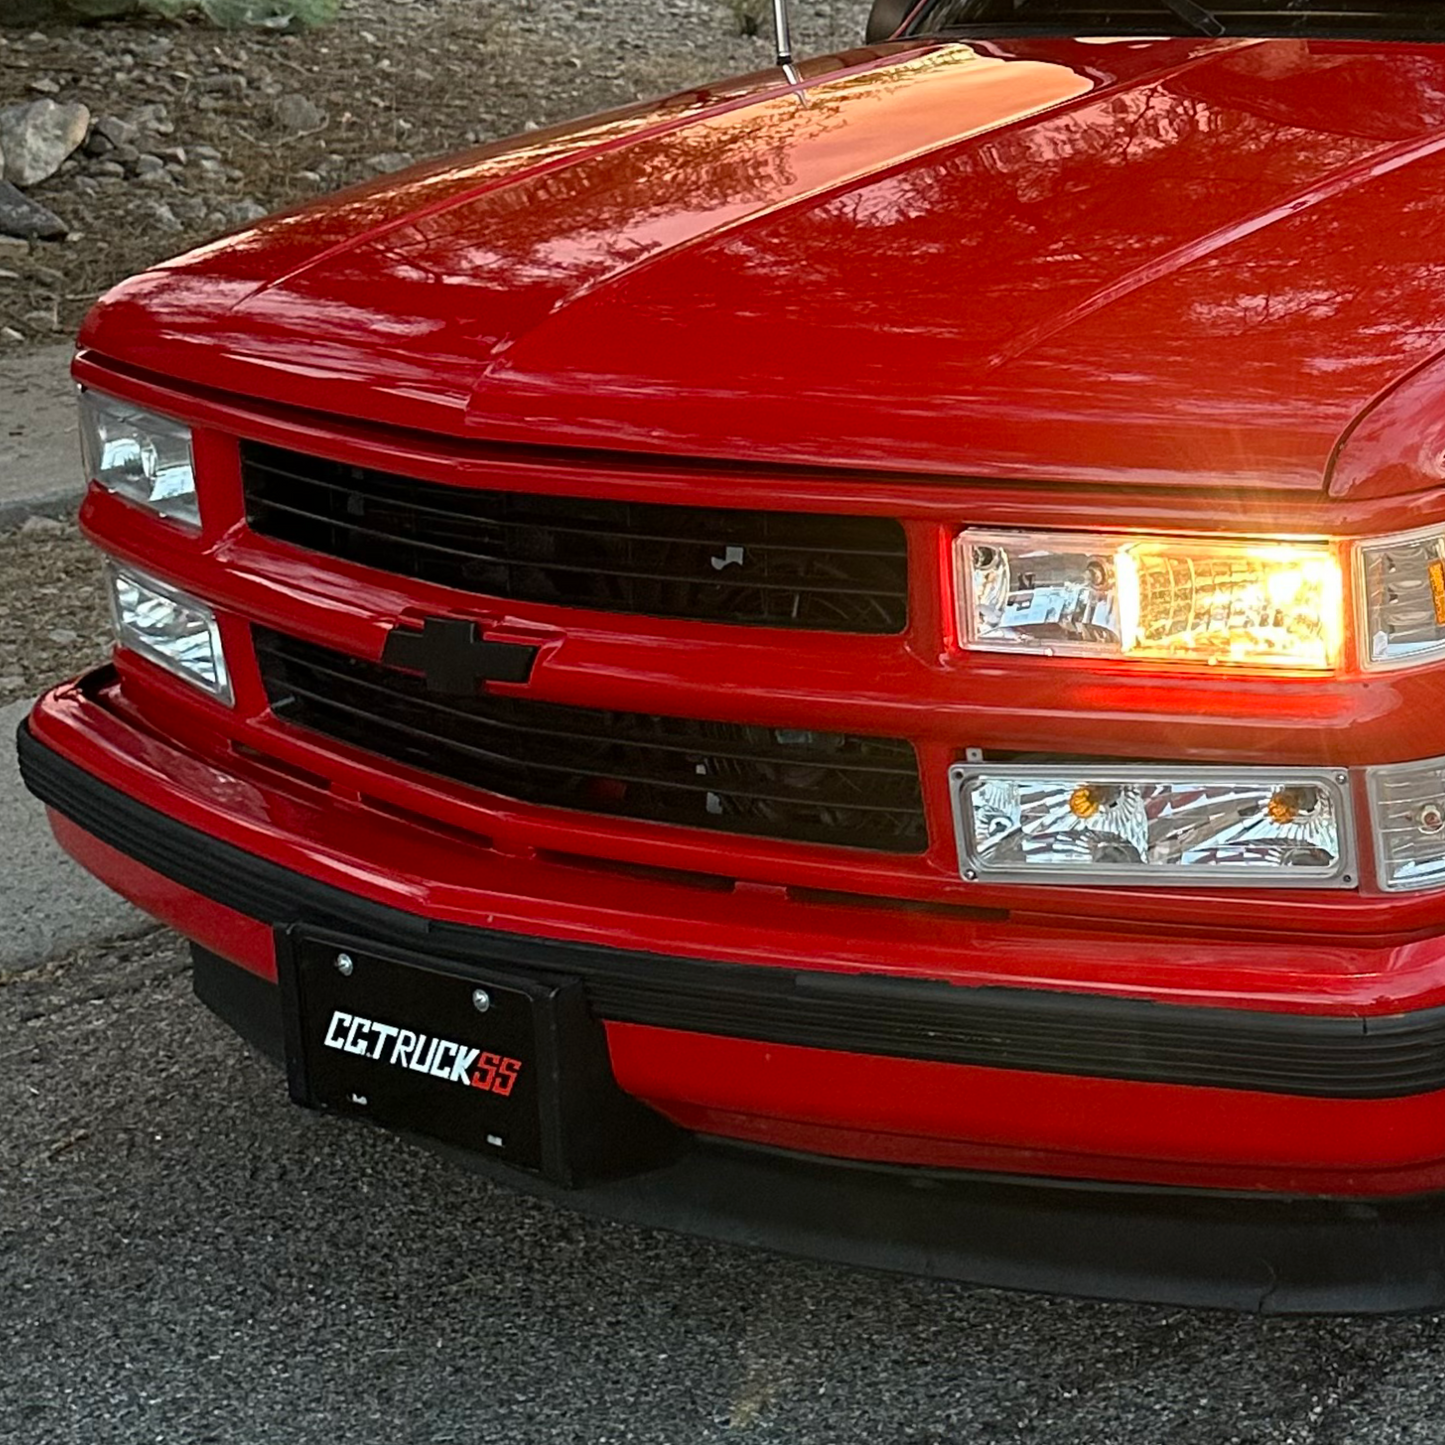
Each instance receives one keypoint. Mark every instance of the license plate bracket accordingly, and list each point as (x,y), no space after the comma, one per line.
(398,1037)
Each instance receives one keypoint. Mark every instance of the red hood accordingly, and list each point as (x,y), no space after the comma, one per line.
(1175,262)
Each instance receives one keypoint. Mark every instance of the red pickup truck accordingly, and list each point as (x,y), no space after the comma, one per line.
(852,660)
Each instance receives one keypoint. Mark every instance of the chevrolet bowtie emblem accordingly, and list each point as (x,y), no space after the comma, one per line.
(455,658)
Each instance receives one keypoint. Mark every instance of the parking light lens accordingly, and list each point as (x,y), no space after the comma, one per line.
(169,627)
(1191,600)
(1407,807)
(1401,582)
(140,456)
(1098,823)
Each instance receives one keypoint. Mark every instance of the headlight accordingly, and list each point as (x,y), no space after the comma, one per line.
(1401,582)
(172,629)
(1159,599)
(1061,823)
(140,456)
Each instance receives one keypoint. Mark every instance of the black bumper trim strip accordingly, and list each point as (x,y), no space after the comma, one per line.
(1034,1030)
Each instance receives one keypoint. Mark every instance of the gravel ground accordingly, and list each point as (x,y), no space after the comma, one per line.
(390,81)
(184,1257)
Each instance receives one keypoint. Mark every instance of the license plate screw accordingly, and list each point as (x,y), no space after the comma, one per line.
(481,1000)
(344,964)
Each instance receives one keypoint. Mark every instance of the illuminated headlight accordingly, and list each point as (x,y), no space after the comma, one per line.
(1056,823)
(1407,806)
(1159,599)
(140,456)
(169,627)
(1401,585)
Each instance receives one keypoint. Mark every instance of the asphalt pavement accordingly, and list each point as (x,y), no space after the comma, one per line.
(185,1257)
(39,453)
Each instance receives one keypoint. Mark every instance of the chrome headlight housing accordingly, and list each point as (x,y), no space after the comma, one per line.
(173,629)
(1251,602)
(140,456)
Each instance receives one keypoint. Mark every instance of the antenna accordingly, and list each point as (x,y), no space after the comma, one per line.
(783,33)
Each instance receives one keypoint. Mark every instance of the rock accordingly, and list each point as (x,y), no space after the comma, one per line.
(244,211)
(20,216)
(172,155)
(62,636)
(154,120)
(43,527)
(205,153)
(296,113)
(10,334)
(224,83)
(12,249)
(44,86)
(115,130)
(389,161)
(149,165)
(97,143)
(164,217)
(127,155)
(8,276)
(107,168)
(37,135)
(41,320)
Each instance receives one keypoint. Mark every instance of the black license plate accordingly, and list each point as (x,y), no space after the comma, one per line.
(467,1056)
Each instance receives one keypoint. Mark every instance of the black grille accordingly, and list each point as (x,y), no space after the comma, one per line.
(804,786)
(712,564)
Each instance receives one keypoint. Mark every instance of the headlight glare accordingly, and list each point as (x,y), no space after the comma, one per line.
(1104,823)
(172,629)
(1254,603)
(140,456)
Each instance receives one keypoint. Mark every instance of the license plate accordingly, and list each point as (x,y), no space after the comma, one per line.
(467,1056)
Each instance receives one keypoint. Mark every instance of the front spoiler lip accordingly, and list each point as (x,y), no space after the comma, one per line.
(1262,1254)
(1038,1031)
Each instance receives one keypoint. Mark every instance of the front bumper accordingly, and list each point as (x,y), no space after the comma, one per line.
(1343,1104)
(1271,1255)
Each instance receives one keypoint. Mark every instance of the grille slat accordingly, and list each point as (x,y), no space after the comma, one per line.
(780,569)
(473,720)
(789,784)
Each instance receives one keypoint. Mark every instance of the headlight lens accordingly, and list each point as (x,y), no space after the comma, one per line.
(1159,599)
(1402,598)
(140,456)
(1059,823)
(169,627)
